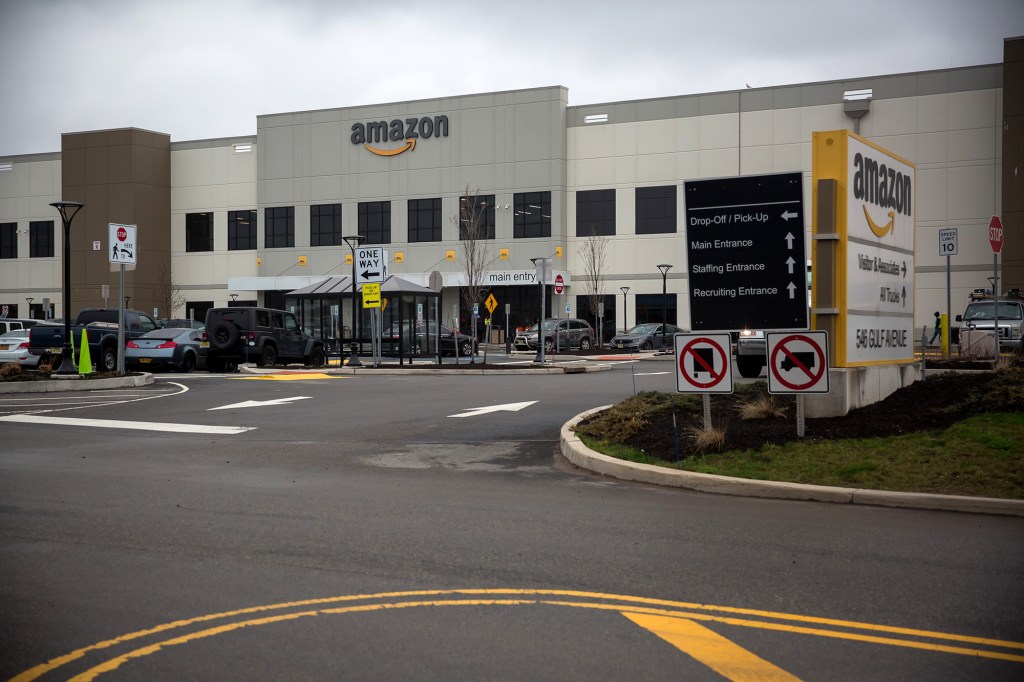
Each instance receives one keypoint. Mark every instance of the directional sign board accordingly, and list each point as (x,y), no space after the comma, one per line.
(123,246)
(797,362)
(703,363)
(371,295)
(371,264)
(745,249)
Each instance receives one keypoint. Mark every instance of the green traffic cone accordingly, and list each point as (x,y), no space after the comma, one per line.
(84,361)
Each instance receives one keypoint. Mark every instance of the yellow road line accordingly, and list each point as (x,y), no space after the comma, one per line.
(716,652)
(626,605)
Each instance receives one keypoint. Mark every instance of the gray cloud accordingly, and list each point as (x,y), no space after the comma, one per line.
(198,69)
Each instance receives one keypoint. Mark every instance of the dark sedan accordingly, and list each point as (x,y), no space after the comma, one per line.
(647,336)
(182,350)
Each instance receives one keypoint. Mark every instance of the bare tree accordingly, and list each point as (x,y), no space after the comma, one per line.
(593,257)
(472,242)
(167,294)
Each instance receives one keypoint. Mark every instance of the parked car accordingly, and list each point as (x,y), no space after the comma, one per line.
(646,336)
(260,335)
(568,333)
(751,353)
(420,340)
(14,348)
(46,339)
(180,323)
(8,324)
(182,350)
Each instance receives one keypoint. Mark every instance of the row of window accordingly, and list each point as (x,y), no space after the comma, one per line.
(476,221)
(655,211)
(40,239)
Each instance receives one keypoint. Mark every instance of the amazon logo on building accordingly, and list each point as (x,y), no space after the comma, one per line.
(406,131)
(883,186)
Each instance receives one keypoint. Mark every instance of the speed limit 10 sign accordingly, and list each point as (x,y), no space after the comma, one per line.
(947,242)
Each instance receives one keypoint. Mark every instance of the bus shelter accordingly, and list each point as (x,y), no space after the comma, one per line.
(325,309)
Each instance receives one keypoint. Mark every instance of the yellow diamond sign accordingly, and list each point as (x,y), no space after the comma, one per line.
(491,303)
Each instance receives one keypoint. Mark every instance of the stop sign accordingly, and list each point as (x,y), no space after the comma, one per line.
(559,284)
(122,233)
(995,234)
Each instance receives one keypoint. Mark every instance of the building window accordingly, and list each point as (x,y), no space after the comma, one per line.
(424,220)
(325,225)
(40,239)
(279,227)
(241,230)
(375,221)
(656,210)
(595,213)
(199,232)
(8,240)
(649,307)
(480,208)
(532,215)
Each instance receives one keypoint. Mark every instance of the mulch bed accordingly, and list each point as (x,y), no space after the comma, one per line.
(924,405)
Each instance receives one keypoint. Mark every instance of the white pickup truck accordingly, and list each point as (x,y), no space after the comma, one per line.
(980,315)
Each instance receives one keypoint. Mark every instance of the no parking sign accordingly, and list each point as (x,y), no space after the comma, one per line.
(797,362)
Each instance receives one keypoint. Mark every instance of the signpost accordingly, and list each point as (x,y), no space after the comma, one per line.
(798,363)
(745,249)
(123,251)
(995,240)
(703,365)
(559,285)
(948,246)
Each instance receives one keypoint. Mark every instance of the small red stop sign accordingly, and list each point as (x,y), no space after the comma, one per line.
(122,233)
(559,284)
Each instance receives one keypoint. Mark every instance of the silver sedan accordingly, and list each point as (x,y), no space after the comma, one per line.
(647,336)
(179,349)
(14,348)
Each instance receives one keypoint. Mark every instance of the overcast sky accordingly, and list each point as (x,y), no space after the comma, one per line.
(206,69)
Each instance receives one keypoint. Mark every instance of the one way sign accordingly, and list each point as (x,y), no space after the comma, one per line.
(371,264)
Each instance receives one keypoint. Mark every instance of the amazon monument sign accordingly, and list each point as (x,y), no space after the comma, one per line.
(875,221)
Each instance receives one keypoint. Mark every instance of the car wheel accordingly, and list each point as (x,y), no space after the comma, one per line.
(188,363)
(749,366)
(549,345)
(268,356)
(648,345)
(416,348)
(230,366)
(223,335)
(584,344)
(108,359)
(466,349)
(316,358)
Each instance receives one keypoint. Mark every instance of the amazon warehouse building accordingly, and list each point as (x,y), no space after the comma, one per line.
(248,220)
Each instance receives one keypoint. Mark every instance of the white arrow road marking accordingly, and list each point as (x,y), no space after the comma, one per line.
(261,403)
(133,426)
(507,407)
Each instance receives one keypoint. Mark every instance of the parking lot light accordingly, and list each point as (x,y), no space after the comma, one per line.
(664,267)
(67,210)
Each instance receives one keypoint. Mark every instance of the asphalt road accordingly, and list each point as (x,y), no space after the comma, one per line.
(358,527)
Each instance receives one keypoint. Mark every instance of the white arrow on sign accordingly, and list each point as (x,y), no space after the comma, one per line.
(792,290)
(789,214)
(507,407)
(790,262)
(789,240)
(262,403)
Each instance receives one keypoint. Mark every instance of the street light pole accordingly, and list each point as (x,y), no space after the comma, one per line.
(625,324)
(67,210)
(664,267)
(29,301)
(354,240)
(543,262)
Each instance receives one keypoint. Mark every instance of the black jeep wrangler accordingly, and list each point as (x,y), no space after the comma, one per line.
(260,335)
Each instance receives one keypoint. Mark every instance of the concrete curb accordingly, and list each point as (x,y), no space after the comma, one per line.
(579,454)
(76,384)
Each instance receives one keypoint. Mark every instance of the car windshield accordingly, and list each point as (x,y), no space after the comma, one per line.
(644,329)
(986,311)
(549,324)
